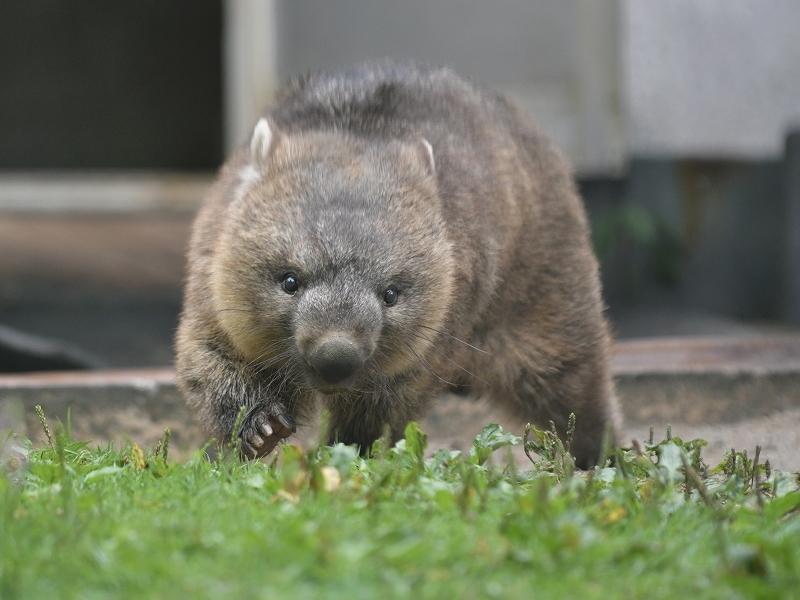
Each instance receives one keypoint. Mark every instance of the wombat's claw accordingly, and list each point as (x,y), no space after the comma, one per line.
(287,422)
(248,450)
(261,431)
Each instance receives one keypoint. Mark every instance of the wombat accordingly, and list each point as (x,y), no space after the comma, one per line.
(392,232)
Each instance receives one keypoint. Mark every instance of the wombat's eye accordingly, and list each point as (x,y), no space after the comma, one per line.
(390,296)
(290,284)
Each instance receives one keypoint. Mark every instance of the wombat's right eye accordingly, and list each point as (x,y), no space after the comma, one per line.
(290,284)
(390,296)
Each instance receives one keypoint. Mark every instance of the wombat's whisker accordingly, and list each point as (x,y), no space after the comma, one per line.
(273,343)
(266,351)
(468,372)
(422,360)
(250,333)
(467,344)
(380,383)
(391,392)
(275,376)
(260,367)
(382,354)
(419,336)
(359,390)
(450,360)
(264,369)
(282,374)
(265,364)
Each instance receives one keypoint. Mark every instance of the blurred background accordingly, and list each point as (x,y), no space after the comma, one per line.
(678,118)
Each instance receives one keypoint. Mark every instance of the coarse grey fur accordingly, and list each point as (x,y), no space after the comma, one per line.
(391,176)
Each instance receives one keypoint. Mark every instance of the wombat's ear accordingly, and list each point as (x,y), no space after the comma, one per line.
(263,140)
(429,155)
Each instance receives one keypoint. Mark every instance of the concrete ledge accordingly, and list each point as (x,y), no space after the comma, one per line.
(104,406)
(692,382)
(729,355)
(707,381)
(101,191)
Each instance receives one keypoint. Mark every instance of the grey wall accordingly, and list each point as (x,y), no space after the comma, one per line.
(711,78)
(559,60)
(497,42)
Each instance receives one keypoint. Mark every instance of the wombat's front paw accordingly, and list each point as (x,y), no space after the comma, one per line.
(263,427)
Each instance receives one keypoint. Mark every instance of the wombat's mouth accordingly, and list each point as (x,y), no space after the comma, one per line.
(327,388)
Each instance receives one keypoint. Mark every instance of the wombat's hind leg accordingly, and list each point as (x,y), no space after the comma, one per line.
(263,427)
(582,390)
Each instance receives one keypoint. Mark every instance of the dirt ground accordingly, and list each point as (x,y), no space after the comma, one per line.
(778,434)
(145,406)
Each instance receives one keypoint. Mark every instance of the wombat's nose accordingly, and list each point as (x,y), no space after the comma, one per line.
(335,359)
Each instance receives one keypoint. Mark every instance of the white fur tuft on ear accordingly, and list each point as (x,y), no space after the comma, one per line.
(429,148)
(261,142)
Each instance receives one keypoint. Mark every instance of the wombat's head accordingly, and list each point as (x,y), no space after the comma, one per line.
(333,267)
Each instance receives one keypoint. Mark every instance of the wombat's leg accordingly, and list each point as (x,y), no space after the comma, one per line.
(581,388)
(263,427)
(364,419)
(217,385)
(350,429)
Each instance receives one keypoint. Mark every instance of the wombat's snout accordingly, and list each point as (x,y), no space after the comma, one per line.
(336,360)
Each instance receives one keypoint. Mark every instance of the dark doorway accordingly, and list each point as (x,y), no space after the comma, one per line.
(120,85)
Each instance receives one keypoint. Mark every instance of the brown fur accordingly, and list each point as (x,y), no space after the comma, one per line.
(487,245)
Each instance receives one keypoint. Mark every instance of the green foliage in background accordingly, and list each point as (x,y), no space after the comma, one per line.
(77,522)
(638,245)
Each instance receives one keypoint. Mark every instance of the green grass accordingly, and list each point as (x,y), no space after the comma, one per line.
(77,522)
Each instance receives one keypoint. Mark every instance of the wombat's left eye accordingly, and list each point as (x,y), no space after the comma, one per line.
(390,297)
(290,284)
